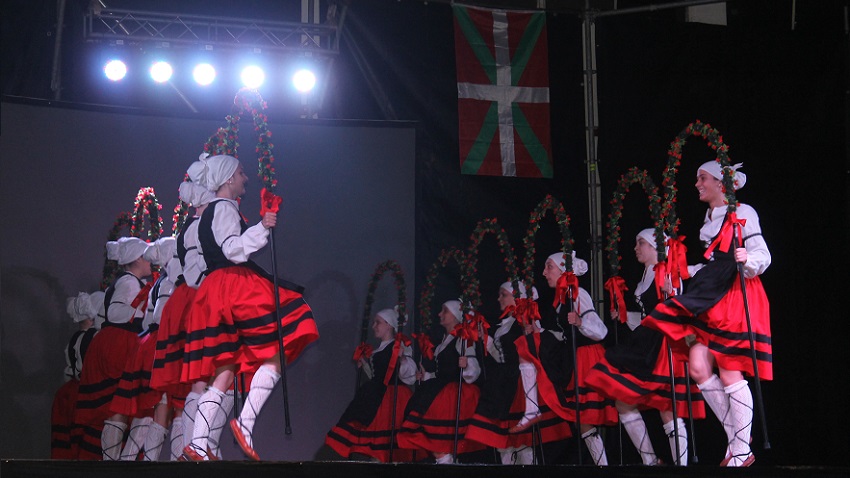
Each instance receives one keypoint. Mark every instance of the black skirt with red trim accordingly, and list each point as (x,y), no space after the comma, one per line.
(232,322)
(713,310)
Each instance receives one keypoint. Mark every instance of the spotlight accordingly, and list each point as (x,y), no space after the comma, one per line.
(204,74)
(253,77)
(115,70)
(161,72)
(304,80)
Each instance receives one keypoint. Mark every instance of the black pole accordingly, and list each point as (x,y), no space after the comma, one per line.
(678,458)
(691,435)
(282,350)
(575,375)
(737,239)
(459,392)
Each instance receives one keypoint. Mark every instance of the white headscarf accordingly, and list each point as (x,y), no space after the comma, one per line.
(508,286)
(84,306)
(579,265)
(713,168)
(195,194)
(454,308)
(211,172)
(648,235)
(390,316)
(161,251)
(125,250)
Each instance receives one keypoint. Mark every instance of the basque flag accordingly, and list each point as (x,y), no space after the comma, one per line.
(503,92)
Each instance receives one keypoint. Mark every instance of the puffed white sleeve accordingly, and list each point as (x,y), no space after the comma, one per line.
(592,326)
(166,288)
(407,367)
(120,311)
(69,370)
(473,369)
(236,245)
(758,255)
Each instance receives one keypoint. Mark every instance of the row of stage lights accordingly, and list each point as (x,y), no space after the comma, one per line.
(204,74)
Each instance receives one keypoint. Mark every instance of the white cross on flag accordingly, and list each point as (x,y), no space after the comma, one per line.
(503,92)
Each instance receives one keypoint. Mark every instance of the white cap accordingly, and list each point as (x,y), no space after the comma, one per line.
(390,316)
(508,286)
(84,306)
(211,172)
(454,308)
(125,250)
(713,168)
(195,194)
(579,265)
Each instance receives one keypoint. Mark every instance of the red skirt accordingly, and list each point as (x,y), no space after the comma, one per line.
(723,328)
(493,432)
(595,408)
(434,430)
(62,422)
(134,396)
(171,339)
(648,392)
(108,353)
(373,439)
(232,322)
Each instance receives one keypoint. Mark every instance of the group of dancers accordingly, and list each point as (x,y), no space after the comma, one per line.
(171,344)
(548,375)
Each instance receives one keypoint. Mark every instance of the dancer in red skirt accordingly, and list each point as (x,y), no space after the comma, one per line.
(550,351)
(510,392)
(83,310)
(366,425)
(710,315)
(231,326)
(636,372)
(171,338)
(431,418)
(109,351)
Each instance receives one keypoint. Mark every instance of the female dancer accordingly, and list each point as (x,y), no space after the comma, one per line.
(510,392)
(711,314)
(367,424)
(636,372)
(232,325)
(432,419)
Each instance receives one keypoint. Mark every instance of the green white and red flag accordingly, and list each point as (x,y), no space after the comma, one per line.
(503,92)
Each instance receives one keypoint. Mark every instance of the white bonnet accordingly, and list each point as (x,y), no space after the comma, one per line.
(125,250)
(211,172)
(579,265)
(713,168)
(508,286)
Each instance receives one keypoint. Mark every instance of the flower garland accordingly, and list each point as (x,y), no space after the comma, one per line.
(224,140)
(674,158)
(427,295)
(110,267)
(615,285)
(632,176)
(181,212)
(548,203)
(250,100)
(471,295)
(146,204)
(380,270)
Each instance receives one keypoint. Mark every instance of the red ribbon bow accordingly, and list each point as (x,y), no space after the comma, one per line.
(269,202)
(142,296)
(465,332)
(363,350)
(724,237)
(616,286)
(660,275)
(526,311)
(677,260)
(567,284)
(425,345)
(480,328)
(400,338)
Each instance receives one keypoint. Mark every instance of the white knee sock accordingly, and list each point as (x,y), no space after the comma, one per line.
(176,444)
(718,400)
(190,410)
(443,460)
(208,406)
(219,421)
(528,373)
(508,455)
(636,429)
(262,386)
(524,456)
(681,438)
(741,418)
(111,438)
(595,446)
(154,440)
(136,439)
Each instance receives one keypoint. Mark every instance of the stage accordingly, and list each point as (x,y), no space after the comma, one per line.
(317,469)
